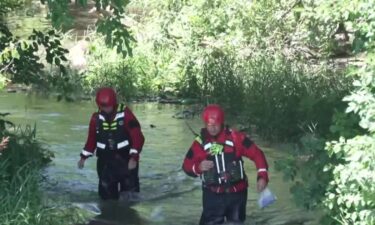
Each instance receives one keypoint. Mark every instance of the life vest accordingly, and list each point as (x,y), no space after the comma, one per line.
(228,168)
(111,137)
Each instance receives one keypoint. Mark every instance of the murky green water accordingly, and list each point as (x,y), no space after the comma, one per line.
(170,197)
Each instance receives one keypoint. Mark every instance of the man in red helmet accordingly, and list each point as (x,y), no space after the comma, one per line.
(216,156)
(115,134)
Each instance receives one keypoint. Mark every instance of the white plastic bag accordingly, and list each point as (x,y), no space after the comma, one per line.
(266,198)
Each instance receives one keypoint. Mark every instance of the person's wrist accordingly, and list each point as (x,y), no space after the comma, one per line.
(83,158)
(133,151)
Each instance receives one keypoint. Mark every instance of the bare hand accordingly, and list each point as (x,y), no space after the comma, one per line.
(206,165)
(132,164)
(81,163)
(261,185)
(4,143)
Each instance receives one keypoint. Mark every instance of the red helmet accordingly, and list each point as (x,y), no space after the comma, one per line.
(213,114)
(106,97)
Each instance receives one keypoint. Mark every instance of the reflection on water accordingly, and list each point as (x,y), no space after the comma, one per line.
(168,196)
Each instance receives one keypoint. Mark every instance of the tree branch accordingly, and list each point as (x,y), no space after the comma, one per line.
(7,66)
(290,9)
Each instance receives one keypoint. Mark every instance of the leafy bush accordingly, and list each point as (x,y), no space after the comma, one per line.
(108,68)
(305,167)
(21,200)
(345,167)
(350,196)
(249,57)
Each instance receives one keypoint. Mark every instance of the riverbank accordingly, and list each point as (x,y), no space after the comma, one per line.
(22,199)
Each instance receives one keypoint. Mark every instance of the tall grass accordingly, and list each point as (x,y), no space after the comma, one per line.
(21,199)
(223,54)
(284,98)
(108,68)
(281,97)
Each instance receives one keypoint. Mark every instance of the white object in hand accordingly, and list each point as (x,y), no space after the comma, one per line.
(266,198)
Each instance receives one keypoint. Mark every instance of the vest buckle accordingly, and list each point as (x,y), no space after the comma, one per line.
(111,144)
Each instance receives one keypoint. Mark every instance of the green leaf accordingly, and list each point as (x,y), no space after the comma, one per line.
(57,61)
(358,45)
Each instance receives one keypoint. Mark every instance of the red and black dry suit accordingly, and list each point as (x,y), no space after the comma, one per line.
(225,185)
(113,137)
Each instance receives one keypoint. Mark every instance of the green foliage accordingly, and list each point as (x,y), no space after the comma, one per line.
(246,56)
(222,83)
(305,169)
(21,200)
(59,13)
(23,149)
(3,81)
(29,151)
(345,125)
(268,62)
(112,26)
(328,18)
(19,61)
(344,169)
(116,35)
(113,70)
(296,95)
(189,85)
(9,5)
(350,196)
